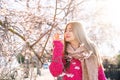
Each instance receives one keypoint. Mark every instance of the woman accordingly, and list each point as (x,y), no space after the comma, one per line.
(78,58)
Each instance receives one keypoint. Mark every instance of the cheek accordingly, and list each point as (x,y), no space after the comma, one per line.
(72,36)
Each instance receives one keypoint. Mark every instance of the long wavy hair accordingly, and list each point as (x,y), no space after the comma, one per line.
(80,35)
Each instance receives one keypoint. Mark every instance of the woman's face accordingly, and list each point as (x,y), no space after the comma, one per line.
(69,36)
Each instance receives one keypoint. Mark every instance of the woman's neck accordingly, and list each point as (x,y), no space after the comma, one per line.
(74,44)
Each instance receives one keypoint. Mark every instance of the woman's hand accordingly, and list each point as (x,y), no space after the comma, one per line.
(56,37)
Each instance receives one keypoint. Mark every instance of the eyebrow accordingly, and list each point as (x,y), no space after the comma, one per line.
(69,28)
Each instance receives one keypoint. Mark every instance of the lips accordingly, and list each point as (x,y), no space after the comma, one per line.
(67,36)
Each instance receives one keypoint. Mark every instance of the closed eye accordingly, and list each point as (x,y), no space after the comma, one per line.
(68,30)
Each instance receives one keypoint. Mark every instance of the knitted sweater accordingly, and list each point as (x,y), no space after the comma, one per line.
(74,72)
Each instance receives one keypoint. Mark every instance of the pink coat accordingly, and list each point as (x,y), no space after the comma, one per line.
(74,72)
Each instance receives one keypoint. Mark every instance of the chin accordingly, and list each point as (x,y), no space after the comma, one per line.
(67,40)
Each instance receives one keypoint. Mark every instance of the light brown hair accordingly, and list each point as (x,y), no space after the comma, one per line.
(80,35)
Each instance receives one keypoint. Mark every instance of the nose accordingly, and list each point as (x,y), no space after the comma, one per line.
(66,33)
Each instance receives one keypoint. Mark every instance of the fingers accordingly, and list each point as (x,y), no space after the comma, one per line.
(56,36)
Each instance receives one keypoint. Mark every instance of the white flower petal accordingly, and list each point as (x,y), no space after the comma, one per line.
(77,67)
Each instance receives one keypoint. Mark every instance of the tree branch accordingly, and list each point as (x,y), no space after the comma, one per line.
(55,12)
(14,32)
(50,29)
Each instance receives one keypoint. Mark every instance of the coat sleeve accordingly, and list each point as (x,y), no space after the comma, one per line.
(101,74)
(56,66)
